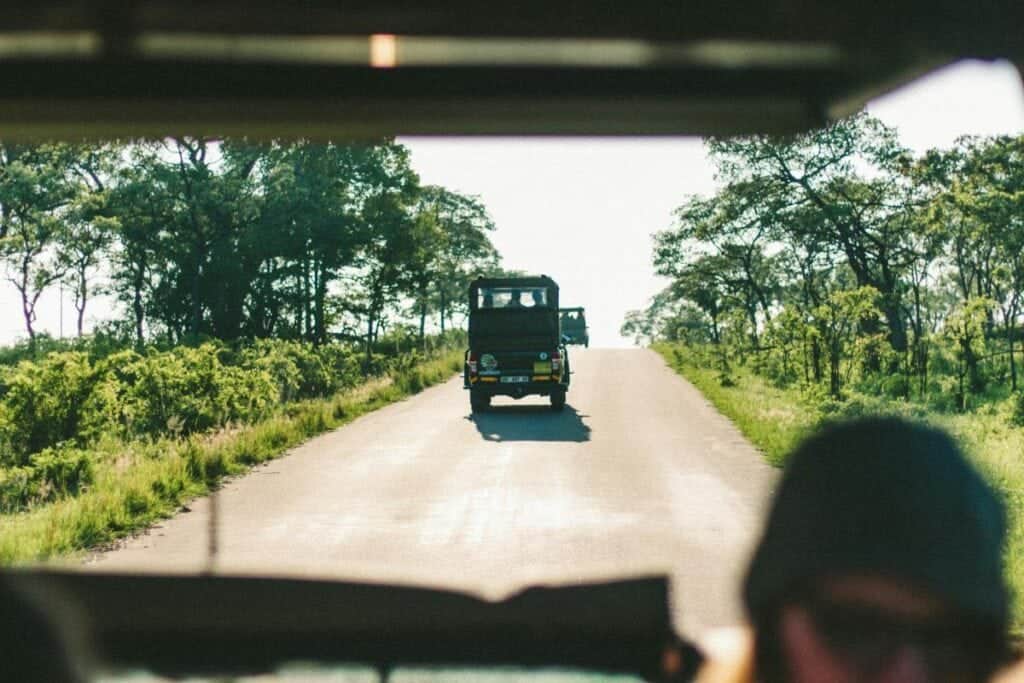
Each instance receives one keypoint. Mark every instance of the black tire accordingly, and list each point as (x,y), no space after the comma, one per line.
(478,402)
(558,400)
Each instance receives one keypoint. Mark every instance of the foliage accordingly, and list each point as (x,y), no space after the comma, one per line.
(72,500)
(68,399)
(200,238)
(839,259)
(51,474)
(776,419)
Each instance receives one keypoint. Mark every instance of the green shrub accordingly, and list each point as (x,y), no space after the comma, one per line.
(70,396)
(43,403)
(896,385)
(52,474)
(1018,409)
(344,364)
(190,390)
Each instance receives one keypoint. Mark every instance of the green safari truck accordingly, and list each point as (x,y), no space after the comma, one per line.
(573,322)
(515,344)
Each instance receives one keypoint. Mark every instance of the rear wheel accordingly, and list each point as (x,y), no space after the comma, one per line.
(478,402)
(558,400)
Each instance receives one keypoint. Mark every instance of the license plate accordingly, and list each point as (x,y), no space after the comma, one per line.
(542,368)
(514,379)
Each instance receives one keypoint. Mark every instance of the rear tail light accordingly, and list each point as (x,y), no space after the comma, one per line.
(471,362)
(556,361)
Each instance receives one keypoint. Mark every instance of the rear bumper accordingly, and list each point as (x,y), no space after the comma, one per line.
(516,389)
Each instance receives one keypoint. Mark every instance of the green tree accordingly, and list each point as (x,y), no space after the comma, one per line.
(847,186)
(36,191)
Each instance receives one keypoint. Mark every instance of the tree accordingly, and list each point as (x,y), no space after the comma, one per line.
(853,178)
(36,189)
(455,247)
(89,228)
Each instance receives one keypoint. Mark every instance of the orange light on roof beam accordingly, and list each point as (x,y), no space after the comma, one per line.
(383,51)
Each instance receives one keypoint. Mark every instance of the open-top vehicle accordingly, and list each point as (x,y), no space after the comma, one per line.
(331,71)
(120,626)
(515,346)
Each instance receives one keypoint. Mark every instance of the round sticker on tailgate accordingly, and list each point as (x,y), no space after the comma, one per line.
(543,356)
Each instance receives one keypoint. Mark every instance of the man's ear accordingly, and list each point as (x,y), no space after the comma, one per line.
(729,656)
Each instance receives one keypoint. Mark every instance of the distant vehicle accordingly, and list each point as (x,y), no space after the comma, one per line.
(574,325)
(515,347)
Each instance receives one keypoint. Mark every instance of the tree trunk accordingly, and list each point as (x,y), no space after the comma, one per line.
(26,310)
(306,331)
(924,369)
(1009,340)
(423,324)
(816,359)
(138,311)
(834,378)
(369,337)
(975,382)
(81,317)
(197,306)
(81,297)
(444,305)
(961,396)
(320,306)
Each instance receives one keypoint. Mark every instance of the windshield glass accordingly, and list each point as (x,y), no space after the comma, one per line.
(512,297)
(258,357)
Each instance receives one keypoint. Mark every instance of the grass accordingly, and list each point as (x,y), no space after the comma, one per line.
(775,420)
(138,483)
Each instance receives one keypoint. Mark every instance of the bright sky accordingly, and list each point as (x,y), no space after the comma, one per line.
(583,209)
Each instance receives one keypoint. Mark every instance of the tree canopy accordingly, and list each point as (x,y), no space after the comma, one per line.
(230,239)
(838,257)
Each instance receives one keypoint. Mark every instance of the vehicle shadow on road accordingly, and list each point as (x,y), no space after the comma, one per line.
(531,423)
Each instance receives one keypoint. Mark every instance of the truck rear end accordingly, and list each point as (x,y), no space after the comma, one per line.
(514,344)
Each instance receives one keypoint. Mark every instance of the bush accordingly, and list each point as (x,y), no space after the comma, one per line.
(1018,409)
(43,403)
(189,390)
(52,474)
(67,396)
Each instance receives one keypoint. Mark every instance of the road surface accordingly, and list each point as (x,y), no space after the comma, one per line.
(639,475)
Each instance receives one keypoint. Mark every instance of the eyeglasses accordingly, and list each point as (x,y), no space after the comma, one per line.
(868,638)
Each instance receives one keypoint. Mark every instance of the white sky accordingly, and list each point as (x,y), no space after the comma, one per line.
(583,209)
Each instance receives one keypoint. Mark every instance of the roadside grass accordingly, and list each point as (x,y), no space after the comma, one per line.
(772,418)
(775,420)
(138,483)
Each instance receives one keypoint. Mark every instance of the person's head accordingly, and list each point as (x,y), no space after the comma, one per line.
(41,635)
(881,560)
(515,297)
(538,297)
(488,299)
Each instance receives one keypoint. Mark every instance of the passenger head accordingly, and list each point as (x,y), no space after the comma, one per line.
(37,646)
(538,297)
(488,300)
(881,560)
(515,298)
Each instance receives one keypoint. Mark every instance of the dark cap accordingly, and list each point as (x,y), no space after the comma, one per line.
(882,496)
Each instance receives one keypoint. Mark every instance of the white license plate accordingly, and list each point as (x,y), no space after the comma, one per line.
(514,380)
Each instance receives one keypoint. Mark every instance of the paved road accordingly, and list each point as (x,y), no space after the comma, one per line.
(638,475)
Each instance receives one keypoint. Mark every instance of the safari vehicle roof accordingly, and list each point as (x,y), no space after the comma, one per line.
(267,69)
(578,309)
(524,282)
(74,68)
(195,625)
